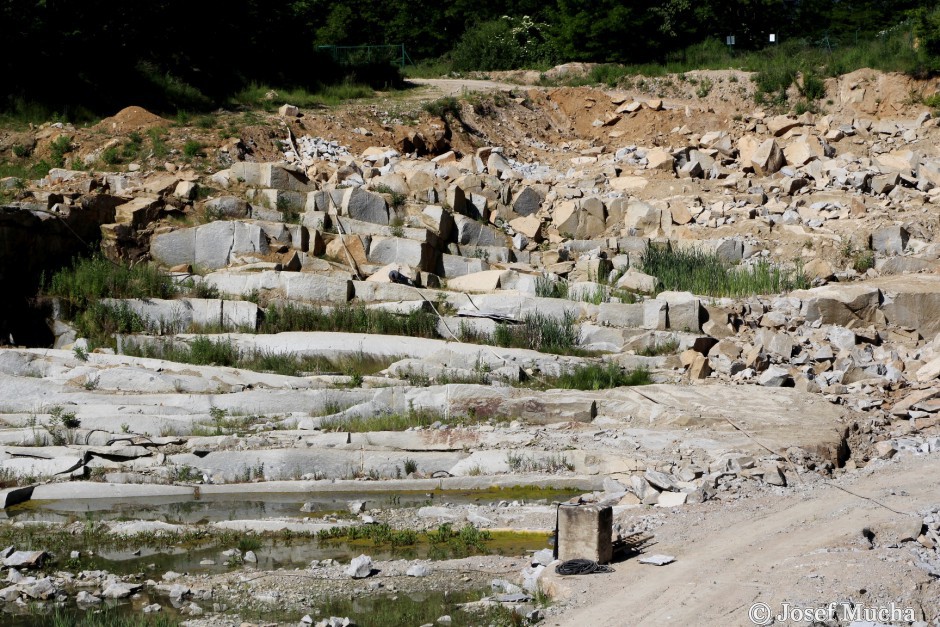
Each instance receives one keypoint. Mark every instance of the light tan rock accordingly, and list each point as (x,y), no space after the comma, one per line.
(530,226)
(780,124)
(768,158)
(353,245)
(680,214)
(658,159)
(747,146)
(486,281)
(637,281)
(803,149)
(699,369)
(688,357)
(818,269)
(628,183)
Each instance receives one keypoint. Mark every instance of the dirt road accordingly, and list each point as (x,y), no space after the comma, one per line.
(806,548)
(456,87)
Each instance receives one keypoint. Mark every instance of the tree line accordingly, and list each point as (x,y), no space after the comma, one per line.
(101,54)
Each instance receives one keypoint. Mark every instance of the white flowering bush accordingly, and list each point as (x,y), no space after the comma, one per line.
(508,43)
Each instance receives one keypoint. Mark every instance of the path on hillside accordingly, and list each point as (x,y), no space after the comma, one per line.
(806,547)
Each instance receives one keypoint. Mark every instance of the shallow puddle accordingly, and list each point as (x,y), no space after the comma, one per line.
(257,506)
(398,610)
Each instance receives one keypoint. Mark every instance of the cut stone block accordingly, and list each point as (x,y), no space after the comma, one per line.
(584,532)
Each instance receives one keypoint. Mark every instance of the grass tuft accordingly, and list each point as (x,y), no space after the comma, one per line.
(89,279)
(256,95)
(537,332)
(601,377)
(706,274)
(392,422)
(348,318)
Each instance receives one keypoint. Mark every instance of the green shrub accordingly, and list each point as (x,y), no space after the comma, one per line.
(390,422)
(661,348)
(110,156)
(99,322)
(443,106)
(704,88)
(812,87)
(256,95)
(507,43)
(192,149)
(548,288)
(61,146)
(158,144)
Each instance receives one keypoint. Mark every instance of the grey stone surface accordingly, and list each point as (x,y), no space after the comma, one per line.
(386,250)
(214,243)
(299,286)
(527,202)
(228,207)
(174,248)
(891,240)
(455,265)
(361,204)
(474,233)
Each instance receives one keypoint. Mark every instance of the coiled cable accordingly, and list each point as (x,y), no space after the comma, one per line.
(581,567)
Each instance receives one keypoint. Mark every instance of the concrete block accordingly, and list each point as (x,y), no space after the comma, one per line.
(584,532)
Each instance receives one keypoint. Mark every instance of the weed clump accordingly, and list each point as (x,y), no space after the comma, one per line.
(350,319)
(707,274)
(601,377)
(539,332)
(92,278)
(391,422)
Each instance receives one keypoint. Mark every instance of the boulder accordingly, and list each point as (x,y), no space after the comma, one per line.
(272,176)
(642,219)
(685,311)
(659,159)
(637,281)
(485,281)
(360,567)
(776,377)
(530,226)
(768,158)
(803,149)
(25,559)
(139,212)
(418,570)
(842,304)
(119,590)
(527,202)
(891,240)
(474,233)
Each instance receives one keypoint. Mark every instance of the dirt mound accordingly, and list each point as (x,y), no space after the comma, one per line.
(131,119)
(870,92)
